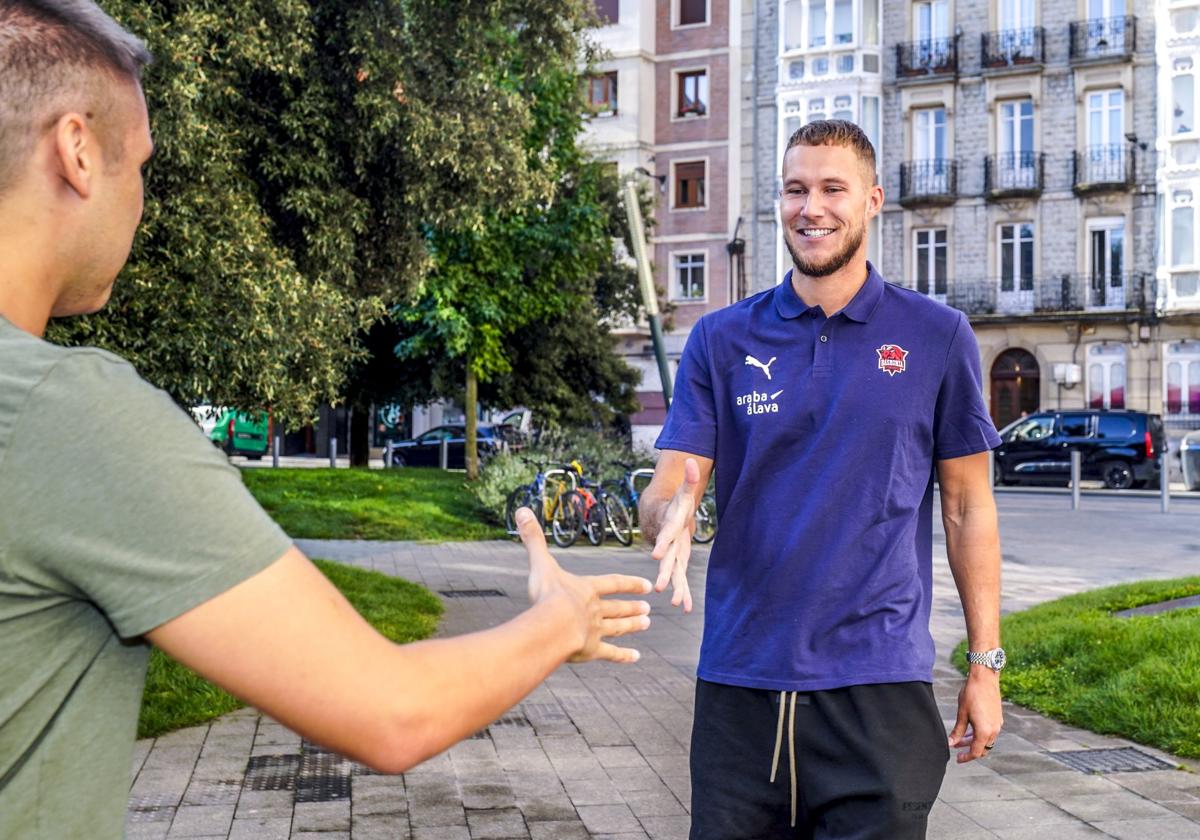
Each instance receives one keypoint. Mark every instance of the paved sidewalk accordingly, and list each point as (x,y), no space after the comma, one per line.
(601,750)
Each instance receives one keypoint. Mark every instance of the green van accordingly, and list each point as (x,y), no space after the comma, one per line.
(242,432)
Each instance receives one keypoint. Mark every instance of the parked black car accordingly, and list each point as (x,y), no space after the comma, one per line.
(1120,448)
(425,449)
(1189,456)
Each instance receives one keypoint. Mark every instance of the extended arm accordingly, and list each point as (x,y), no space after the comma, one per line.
(973,549)
(287,642)
(666,512)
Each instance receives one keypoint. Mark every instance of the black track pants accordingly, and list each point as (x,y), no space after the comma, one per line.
(869,762)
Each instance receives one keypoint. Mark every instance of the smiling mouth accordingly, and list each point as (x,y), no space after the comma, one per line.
(815,233)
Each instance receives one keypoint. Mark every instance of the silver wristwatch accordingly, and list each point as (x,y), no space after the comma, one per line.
(994,659)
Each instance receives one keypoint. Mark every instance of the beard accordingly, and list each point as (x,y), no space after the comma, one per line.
(835,262)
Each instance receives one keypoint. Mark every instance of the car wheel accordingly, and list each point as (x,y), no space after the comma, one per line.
(398,460)
(1118,475)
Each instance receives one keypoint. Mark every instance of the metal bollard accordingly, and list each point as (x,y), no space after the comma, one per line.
(992,465)
(1164,481)
(275,452)
(332,452)
(1076,472)
(387,455)
(444,454)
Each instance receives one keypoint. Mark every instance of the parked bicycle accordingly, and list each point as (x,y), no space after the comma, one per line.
(627,489)
(550,498)
(603,511)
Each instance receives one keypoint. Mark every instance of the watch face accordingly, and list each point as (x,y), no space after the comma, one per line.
(999,658)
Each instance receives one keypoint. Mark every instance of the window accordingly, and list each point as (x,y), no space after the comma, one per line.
(1016,164)
(870,121)
(1182,380)
(870,10)
(608,10)
(793,25)
(1114,427)
(845,64)
(1075,425)
(796,69)
(930,272)
(693,12)
(816,108)
(689,185)
(1016,258)
(931,20)
(870,63)
(929,134)
(843,21)
(1106,117)
(816,23)
(1184,21)
(602,93)
(1183,98)
(1033,428)
(689,276)
(693,93)
(820,66)
(1106,381)
(1183,229)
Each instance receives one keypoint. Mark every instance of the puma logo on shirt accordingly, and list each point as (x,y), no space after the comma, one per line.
(750,360)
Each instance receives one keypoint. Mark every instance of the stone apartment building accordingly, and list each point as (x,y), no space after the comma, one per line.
(1023,191)
(661,109)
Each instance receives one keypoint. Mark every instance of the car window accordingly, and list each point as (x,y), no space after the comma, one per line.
(1110,426)
(1074,425)
(432,436)
(1031,428)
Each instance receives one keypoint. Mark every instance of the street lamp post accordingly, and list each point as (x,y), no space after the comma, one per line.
(637,233)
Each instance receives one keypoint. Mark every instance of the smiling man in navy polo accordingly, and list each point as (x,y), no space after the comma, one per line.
(826,406)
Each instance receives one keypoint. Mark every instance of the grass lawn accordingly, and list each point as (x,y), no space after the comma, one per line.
(176,697)
(1134,677)
(405,504)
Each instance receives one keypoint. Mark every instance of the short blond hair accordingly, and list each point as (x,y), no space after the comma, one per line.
(836,133)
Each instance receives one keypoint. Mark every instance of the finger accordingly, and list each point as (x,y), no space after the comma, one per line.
(612,653)
(691,474)
(665,566)
(614,608)
(619,585)
(960,728)
(610,627)
(531,532)
(666,535)
(679,582)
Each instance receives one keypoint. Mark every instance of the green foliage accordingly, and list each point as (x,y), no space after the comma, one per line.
(304,153)
(595,450)
(176,696)
(1136,677)
(408,504)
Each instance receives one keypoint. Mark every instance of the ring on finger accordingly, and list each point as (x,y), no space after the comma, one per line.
(989,746)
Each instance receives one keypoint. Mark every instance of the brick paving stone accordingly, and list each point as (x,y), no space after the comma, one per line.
(380,827)
(592,792)
(549,808)
(635,778)
(1013,813)
(201,820)
(275,828)
(1095,808)
(375,795)
(1053,786)
(440,832)
(667,828)
(611,758)
(947,823)
(147,830)
(649,803)
(631,835)
(487,796)
(320,835)
(264,804)
(559,830)
(1171,828)
(608,819)
(496,823)
(321,816)
(448,814)
(983,788)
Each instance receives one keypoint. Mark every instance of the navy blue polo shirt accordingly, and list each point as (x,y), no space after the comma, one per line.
(825,432)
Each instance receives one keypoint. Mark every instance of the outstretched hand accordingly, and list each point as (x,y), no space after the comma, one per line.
(598,615)
(673,548)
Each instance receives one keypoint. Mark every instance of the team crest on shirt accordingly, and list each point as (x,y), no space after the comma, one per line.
(892,359)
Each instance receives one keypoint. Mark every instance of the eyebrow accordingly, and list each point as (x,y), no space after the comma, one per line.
(834,180)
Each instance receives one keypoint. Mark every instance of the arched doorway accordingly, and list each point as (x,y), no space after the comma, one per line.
(1015,386)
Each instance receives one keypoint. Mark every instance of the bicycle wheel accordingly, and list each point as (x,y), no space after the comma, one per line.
(522,496)
(594,522)
(619,521)
(566,522)
(620,491)
(706,520)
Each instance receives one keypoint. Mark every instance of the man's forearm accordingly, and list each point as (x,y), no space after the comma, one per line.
(973,549)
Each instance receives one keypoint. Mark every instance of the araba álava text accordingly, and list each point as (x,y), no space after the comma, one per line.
(757,402)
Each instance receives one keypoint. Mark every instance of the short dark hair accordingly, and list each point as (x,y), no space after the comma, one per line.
(835,133)
(52,53)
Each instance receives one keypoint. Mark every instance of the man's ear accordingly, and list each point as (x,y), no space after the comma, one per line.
(874,201)
(76,153)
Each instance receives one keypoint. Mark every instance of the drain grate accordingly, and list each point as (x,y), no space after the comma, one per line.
(1118,760)
(272,772)
(472,593)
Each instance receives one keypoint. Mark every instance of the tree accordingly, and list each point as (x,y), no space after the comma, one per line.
(305,152)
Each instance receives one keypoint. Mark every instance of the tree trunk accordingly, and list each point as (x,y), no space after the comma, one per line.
(471,411)
(360,436)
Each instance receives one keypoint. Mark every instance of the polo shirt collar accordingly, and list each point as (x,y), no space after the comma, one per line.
(860,308)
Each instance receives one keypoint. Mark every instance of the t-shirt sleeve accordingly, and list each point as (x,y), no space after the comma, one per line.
(961,424)
(692,420)
(121,500)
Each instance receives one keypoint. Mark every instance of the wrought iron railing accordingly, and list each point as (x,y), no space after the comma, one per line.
(928,182)
(1103,167)
(1096,38)
(1013,47)
(1025,294)
(1014,173)
(930,57)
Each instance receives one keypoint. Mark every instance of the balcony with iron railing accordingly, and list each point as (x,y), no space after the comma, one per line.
(1013,48)
(1075,294)
(1103,39)
(925,183)
(1103,168)
(930,58)
(1014,175)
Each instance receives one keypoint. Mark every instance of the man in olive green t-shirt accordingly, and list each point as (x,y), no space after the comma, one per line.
(102,549)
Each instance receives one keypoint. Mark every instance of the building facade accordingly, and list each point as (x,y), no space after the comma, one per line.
(665,105)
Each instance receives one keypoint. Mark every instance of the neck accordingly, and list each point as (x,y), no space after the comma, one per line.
(20,303)
(834,291)
(29,280)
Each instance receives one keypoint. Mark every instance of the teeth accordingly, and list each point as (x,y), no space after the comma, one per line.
(816,231)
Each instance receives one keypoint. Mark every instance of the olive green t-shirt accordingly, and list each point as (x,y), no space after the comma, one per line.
(116,515)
